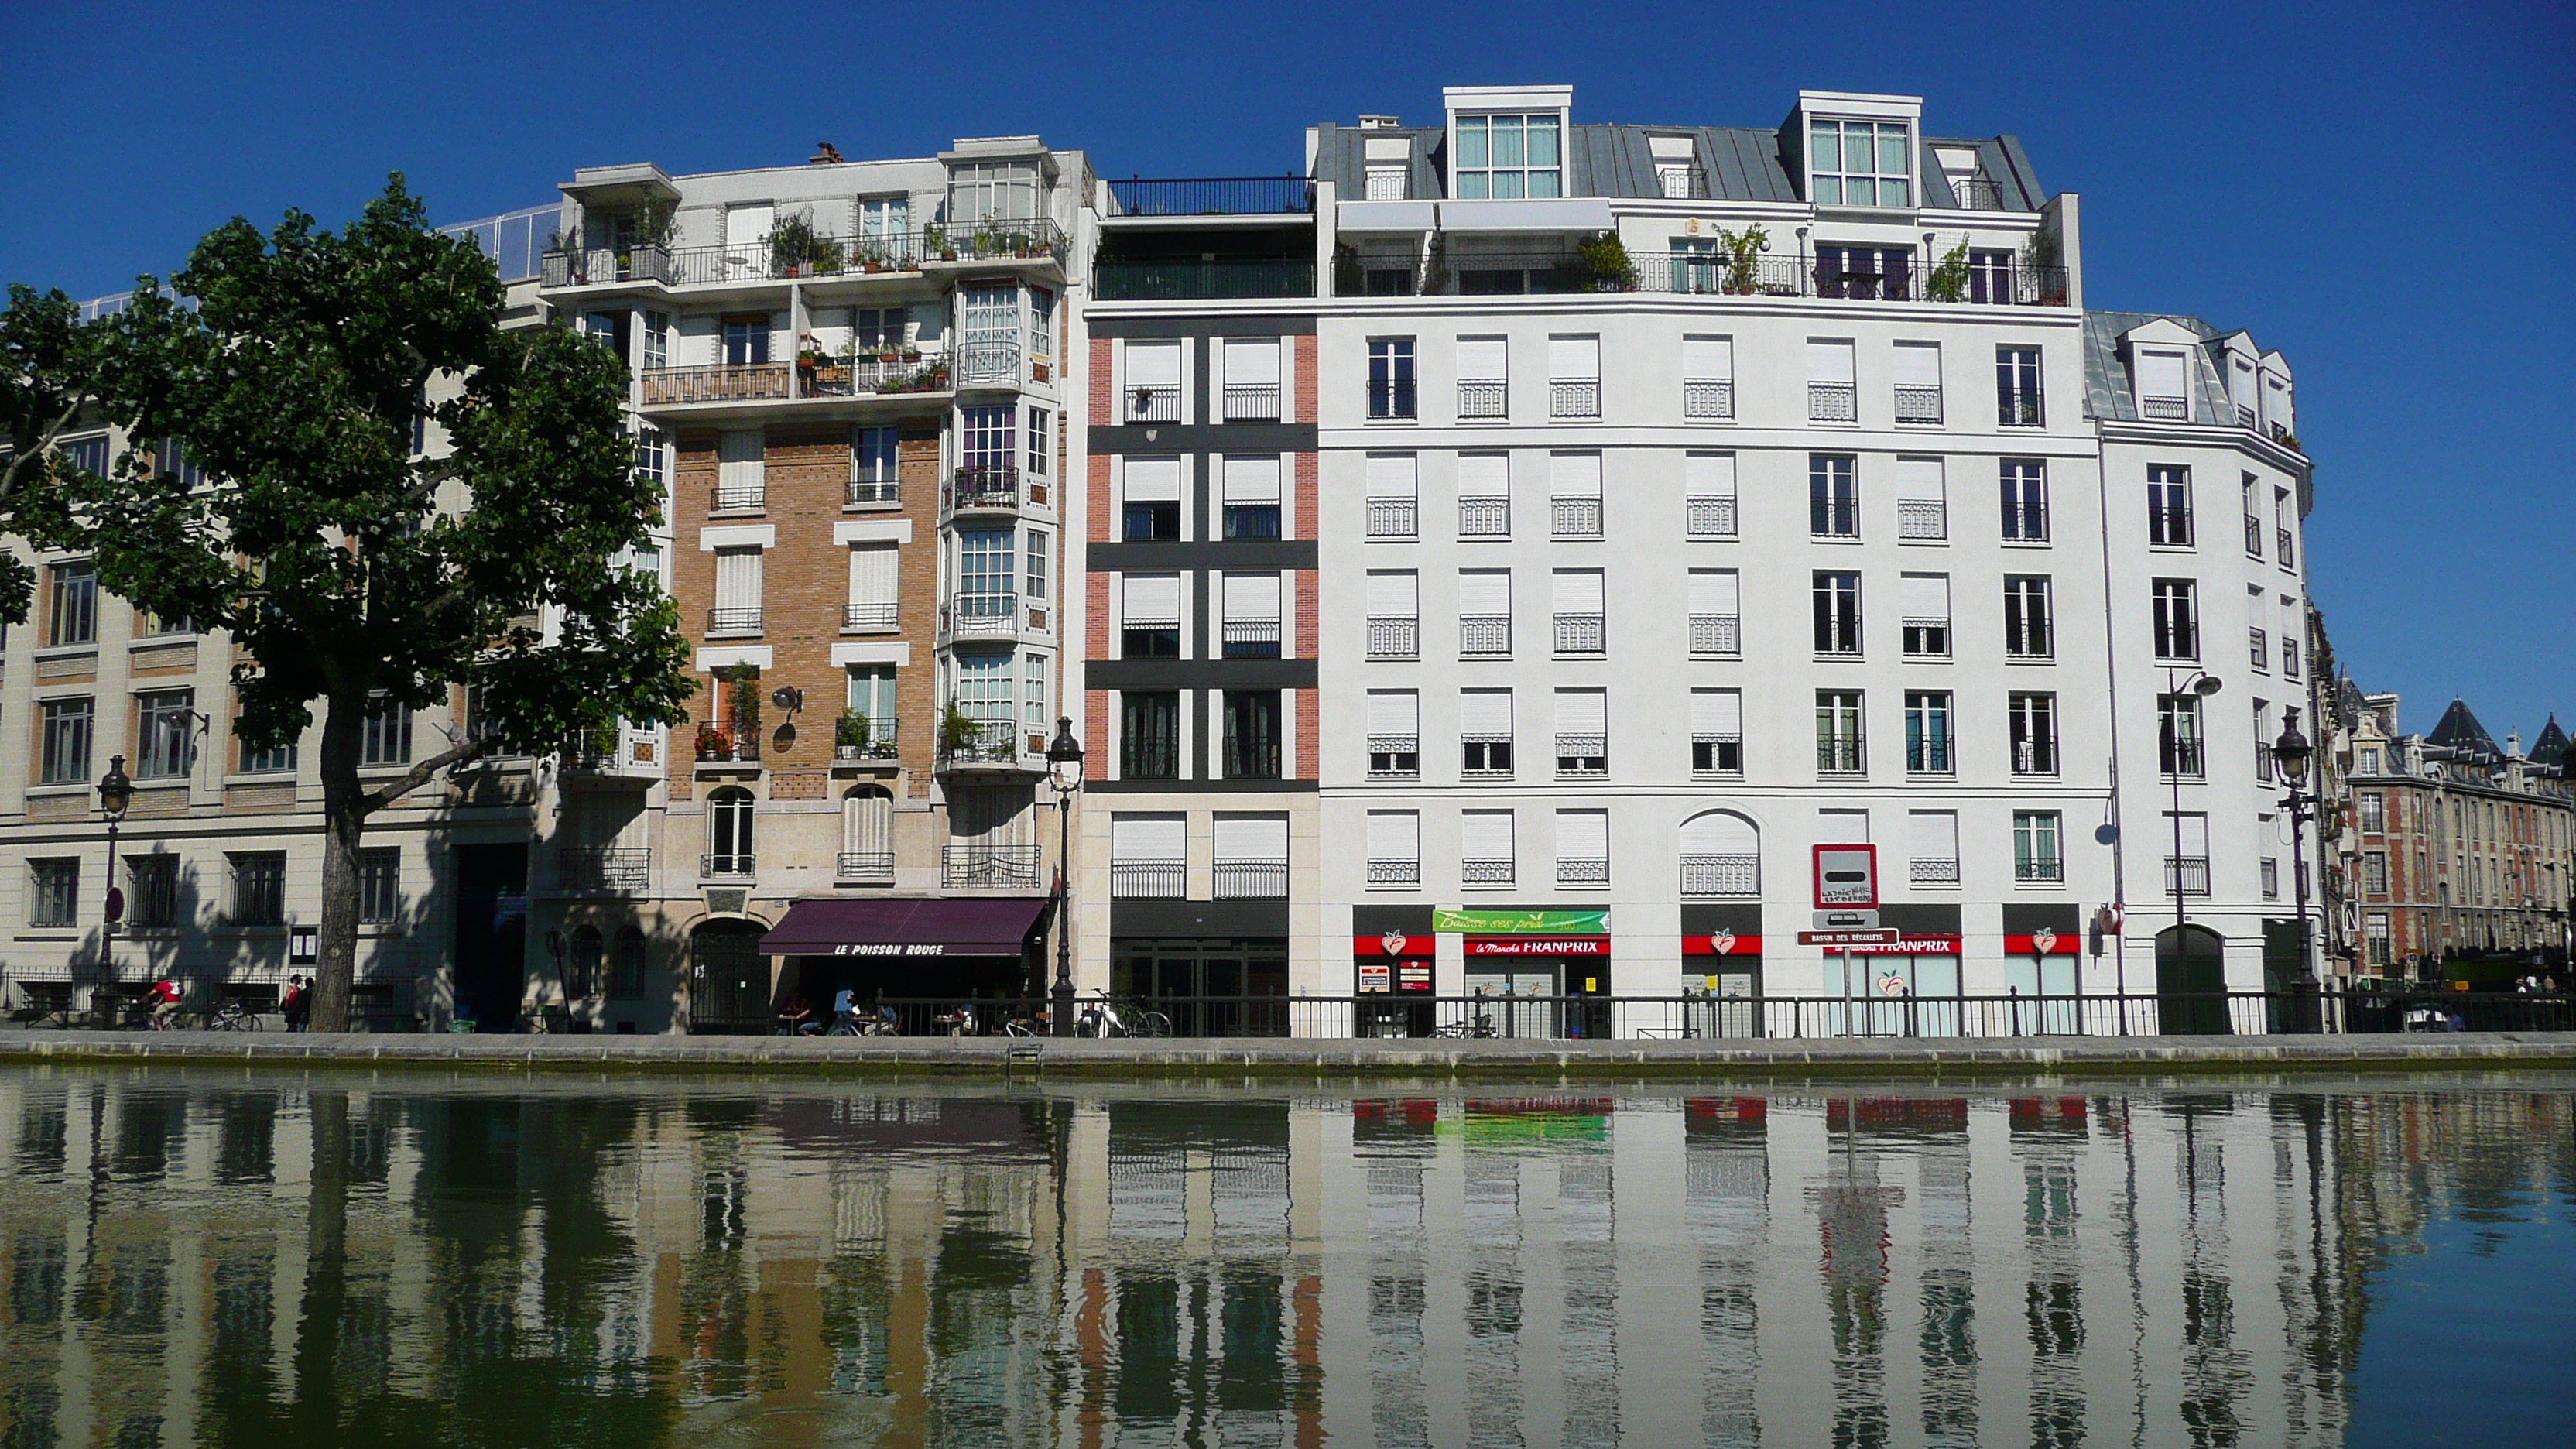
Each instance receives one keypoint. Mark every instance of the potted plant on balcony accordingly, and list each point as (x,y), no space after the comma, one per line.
(2043,262)
(1605,258)
(1743,251)
(934,238)
(960,733)
(850,735)
(563,259)
(1949,279)
(795,247)
(713,743)
(648,253)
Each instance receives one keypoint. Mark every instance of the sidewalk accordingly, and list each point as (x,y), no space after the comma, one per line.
(1313,1057)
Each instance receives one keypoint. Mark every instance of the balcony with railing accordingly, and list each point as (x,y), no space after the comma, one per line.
(1582,870)
(996,745)
(1933,870)
(984,488)
(1483,398)
(1918,403)
(1976,193)
(726,742)
(608,869)
(1251,402)
(1582,755)
(1721,875)
(980,616)
(1707,398)
(1577,516)
(1487,872)
(1148,880)
(1153,403)
(875,374)
(1394,636)
(2186,875)
(879,740)
(742,263)
(1003,867)
(1716,635)
(1716,755)
(864,867)
(1832,402)
(1195,279)
(870,618)
(1709,515)
(2165,409)
(1681,183)
(1485,635)
(717,866)
(1574,397)
(2283,553)
(1251,638)
(747,497)
(1393,518)
(1484,518)
(1395,874)
(738,620)
(715,383)
(605,266)
(1248,880)
(1988,282)
(1922,519)
(1581,635)
(1841,754)
(1140,196)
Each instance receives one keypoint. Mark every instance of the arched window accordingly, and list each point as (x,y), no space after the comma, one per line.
(581,965)
(627,983)
(729,816)
(867,834)
(1721,855)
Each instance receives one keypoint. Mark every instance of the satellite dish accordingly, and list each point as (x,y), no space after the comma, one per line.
(2105,834)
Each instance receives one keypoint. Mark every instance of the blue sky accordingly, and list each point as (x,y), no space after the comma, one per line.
(2384,192)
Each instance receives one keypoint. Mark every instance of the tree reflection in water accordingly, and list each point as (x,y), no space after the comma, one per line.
(285,1261)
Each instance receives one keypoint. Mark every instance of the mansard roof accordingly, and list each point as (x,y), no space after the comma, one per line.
(2551,747)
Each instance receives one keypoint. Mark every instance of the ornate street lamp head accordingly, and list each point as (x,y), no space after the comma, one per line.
(1064,755)
(2292,750)
(115,790)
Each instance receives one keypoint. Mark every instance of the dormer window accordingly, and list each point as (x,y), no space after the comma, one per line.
(2162,392)
(1389,158)
(1509,156)
(992,191)
(1858,163)
(1677,171)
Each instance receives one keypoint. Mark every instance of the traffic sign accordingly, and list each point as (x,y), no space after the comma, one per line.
(1887,937)
(1846,877)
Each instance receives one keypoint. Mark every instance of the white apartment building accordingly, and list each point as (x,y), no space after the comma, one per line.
(1819,511)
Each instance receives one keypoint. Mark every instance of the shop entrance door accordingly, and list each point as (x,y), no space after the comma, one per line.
(1739,1012)
(1506,1006)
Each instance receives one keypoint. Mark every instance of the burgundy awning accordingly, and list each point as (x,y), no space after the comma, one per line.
(989,926)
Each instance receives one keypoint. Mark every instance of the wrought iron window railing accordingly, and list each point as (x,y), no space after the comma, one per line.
(1481,397)
(1917,403)
(1010,866)
(1933,870)
(1721,875)
(1575,517)
(1148,880)
(1709,515)
(1716,633)
(865,867)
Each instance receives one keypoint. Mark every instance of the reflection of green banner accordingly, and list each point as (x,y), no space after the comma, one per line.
(1523,923)
(1535,1128)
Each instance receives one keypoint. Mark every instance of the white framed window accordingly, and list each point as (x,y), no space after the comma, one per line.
(737,608)
(1394,859)
(1717,731)
(1153,386)
(1932,848)
(1582,732)
(1708,378)
(1484,495)
(1924,601)
(1485,732)
(1574,495)
(1394,496)
(873,593)
(1149,857)
(1488,851)
(1485,612)
(1831,394)
(1036,564)
(1859,163)
(1583,848)
(1385,180)
(2029,626)
(2176,608)
(1581,614)
(1149,616)
(1394,614)
(1252,380)
(2163,394)
(1039,702)
(1484,379)
(1505,156)
(1574,376)
(1716,613)
(1708,495)
(1252,624)
(1918,383)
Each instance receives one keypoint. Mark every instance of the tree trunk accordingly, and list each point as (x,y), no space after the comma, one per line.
(344,816)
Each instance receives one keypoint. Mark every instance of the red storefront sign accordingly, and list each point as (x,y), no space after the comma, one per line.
(1538,945)
(2042,943)
(1393,943)
(1722,943)
(1903,946)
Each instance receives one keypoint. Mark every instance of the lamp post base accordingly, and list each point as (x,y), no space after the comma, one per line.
(2308,1007)
(1060,1010)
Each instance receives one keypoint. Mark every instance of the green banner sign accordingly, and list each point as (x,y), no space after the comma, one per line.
(1523,923)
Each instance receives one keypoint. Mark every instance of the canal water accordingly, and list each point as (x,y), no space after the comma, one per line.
(271,1260)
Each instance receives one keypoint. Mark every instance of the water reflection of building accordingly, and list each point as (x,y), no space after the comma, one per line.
(225,1261)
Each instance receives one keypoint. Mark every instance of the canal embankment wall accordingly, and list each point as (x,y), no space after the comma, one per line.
(1236,1058)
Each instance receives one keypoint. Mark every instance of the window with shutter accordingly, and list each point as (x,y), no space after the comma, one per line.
(1922,501)
(1153,499)
(1484,495)
(2163,393)
(1394,732)
(1484,611)
(1932,840)
(872,602)
(741,467)
(1250,857)
(1394,614)
(1708,495)
(1582,732)
(1574,377)
(1580,620)
(1150,616)
(1252,379)
(1574,495)
(1483,379)
(1251,486)
(1153,383)
(1488,855)
(1830,395)
(1708,378)
(1716,612)
(1918,382)
(1394,848)
(1583,847)
(1485,731)
(1252,623)
(1393,496)
(1717,732)
(1925,599)
(1149,857)
(737,608)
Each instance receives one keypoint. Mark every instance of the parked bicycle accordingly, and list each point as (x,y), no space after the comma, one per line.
(1111,1016)
(233,1015)
(1478,1026)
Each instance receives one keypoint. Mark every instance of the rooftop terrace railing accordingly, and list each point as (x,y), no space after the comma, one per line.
(1158,279)
(1214,196)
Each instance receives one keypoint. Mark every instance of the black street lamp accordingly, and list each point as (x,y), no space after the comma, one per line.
(115,795)
(1064,766)
(2202,685)
(2292,752)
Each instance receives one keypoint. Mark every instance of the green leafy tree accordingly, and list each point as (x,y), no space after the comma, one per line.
(355,572)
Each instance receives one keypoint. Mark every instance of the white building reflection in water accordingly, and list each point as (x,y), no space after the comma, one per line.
(264,1260)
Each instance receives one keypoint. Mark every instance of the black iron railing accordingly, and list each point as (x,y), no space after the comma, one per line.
(865,867)
(1158,279)
(734,621)
(1012,866)
(597,868)
(870,618)
(1250,880)
(1213,196)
